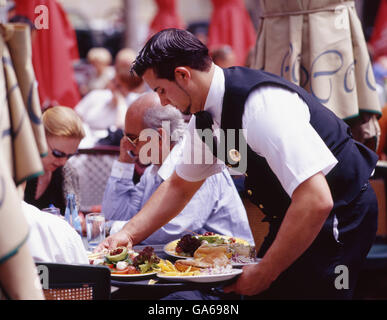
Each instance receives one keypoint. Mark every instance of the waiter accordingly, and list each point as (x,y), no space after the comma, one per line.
(304,170)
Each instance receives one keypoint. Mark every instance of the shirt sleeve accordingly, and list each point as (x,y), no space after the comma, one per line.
(278,128)
(122,198)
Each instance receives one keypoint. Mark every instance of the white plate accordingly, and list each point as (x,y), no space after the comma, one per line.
(132,276)
(242,264)
(203,278)
(169,249)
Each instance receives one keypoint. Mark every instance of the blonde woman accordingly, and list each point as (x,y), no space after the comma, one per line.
(64,131)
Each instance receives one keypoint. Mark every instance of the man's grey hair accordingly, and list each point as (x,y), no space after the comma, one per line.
(172,118)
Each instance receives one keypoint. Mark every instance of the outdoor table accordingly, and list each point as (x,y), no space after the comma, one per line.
(140,289)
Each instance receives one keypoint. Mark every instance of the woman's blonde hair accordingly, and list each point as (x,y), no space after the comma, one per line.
(63,122)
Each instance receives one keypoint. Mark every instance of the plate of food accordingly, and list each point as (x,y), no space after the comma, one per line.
(240,251)
(124,263)
(210,264)
(202,278)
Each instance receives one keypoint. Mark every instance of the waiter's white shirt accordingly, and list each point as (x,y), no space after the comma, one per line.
(277,127)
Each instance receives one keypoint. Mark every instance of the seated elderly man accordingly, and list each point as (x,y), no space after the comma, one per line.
(216,207)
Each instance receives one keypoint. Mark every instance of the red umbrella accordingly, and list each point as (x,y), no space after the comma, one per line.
(231,24)
(378,39)
(166,17)
(53,50)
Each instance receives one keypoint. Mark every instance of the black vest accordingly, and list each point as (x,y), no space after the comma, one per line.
(355,161)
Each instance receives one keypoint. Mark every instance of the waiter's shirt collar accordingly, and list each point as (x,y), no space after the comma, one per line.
(215,95)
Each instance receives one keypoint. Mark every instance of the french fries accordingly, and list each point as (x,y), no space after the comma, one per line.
(168,269)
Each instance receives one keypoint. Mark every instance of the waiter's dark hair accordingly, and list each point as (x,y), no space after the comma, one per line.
(171,48)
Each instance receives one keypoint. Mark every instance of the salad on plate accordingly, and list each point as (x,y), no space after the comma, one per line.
(122,261)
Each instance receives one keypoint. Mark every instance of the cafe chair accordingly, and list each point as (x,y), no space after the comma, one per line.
(74,282)
(93,167)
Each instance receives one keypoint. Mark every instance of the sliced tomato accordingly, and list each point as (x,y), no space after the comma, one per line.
(133,270)
(127,270)
(116,271)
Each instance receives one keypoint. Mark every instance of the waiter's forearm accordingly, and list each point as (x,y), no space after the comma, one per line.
(168,201)
(310,207)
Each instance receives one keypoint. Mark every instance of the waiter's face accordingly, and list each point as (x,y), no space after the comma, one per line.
(176,93)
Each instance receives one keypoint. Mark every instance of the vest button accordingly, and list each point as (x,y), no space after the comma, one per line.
(249,192)
(246,175)
(260,206)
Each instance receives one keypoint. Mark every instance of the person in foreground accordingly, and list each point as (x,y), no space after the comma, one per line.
(216,207)
(304,170)
(53,239)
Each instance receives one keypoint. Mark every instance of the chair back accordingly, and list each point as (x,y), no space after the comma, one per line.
(74,282)
(93,167)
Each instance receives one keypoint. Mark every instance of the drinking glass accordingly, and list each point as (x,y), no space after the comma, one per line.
(95,229)
(53,210)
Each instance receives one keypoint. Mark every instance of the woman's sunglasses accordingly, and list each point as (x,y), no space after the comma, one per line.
(60,154)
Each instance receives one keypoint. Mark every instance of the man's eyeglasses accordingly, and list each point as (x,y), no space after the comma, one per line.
(132,139)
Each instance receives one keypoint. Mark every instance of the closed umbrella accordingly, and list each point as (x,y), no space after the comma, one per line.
(19,45)
(378,39)
(20,144)
(320,46)
(20,152)
(53,50)
(166,17)
(231,25)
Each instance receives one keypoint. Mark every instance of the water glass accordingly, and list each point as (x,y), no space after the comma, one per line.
(95,229)
(53,210)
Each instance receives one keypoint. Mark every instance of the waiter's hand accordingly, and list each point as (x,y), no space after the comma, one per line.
(311,204)
(119,239)
(254,280)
